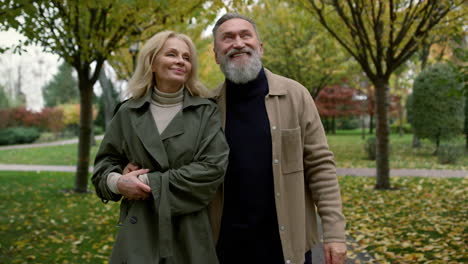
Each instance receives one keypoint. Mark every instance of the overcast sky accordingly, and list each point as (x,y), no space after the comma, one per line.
(35,67)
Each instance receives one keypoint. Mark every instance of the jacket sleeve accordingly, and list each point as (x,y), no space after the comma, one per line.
(109,158)
(320,173)
(191,187)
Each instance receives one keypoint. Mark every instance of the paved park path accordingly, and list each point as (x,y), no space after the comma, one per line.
(340,171)
(317,253)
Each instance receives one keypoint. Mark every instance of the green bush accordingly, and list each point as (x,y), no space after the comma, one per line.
(434,113)
(70,131)
(47,137)
(448,153)
(395,128)
(18,135)
(98,130)
(349,123)
(371,148)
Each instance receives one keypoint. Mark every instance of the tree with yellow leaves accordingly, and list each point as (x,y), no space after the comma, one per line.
(87,32)
(381,35)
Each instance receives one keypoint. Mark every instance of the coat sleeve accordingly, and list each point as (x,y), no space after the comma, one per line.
(320,173)
(109,158)
(191,187)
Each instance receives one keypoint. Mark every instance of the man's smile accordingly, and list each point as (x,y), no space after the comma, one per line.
(238,53)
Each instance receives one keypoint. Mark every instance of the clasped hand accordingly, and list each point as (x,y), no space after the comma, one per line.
(130,186)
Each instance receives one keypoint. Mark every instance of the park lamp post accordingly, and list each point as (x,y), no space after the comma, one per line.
(135,45)
(133,49)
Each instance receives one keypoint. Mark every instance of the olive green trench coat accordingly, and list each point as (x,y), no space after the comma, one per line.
(187,163)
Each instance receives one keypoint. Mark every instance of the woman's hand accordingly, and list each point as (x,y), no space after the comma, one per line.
(131,187)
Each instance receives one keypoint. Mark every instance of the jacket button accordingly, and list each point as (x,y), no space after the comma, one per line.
(288,261)
(273,127)
(133,220)
(276,161)
(282,228)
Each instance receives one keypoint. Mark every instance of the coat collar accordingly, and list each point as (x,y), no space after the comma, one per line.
(189,100)
(274,89)
(146,129)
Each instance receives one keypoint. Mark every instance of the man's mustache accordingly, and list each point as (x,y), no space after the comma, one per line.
(232,52)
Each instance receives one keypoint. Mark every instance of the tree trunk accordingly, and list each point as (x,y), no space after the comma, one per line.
(382,131)
(466,118)
(466,136)
(425,51)
(416,141)
(363,126)
(400,116)
(333,125)
(108,95)
(84,144)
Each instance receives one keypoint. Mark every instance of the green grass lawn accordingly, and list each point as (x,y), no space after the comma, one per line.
(422,222)
(53,155)
(42,224)
(348,147)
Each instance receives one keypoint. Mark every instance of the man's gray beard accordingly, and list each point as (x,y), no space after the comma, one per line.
(241,73)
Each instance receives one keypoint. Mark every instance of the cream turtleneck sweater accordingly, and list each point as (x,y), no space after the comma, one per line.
(164,106)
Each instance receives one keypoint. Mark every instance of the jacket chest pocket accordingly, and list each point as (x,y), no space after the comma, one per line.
(291,150)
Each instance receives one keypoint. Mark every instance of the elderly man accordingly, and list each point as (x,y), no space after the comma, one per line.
(281,171)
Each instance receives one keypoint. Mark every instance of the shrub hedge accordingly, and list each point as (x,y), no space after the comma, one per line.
(18,135)
(49,119)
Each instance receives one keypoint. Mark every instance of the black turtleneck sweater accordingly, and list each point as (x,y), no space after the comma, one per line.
(249,228)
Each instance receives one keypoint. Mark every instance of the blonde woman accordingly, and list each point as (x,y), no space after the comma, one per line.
(174,134)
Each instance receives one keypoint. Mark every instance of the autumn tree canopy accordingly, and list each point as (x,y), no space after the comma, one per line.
(381,35)
(296,45)
(338,101)
(85,33)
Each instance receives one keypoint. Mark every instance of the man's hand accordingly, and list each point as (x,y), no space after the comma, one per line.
(335,253)
(131,187)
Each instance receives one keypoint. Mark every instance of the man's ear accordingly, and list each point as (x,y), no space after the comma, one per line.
(216,56)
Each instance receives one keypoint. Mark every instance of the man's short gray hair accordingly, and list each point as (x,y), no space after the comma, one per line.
(232,15)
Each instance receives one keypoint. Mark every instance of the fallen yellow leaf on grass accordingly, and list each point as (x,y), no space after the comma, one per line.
(428,248)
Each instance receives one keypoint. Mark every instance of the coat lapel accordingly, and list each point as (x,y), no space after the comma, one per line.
(175,127)
(147,131)
(148,134)
(274,86)
(220,97)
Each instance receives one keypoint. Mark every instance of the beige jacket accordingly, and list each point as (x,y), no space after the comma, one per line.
(303,169)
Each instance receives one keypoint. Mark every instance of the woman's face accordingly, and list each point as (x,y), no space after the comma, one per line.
(172,65)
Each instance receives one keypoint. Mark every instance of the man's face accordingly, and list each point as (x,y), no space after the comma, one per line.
(238,50)
(234,35)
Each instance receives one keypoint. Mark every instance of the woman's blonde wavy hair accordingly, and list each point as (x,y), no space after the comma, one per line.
(143,78)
